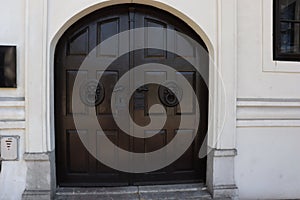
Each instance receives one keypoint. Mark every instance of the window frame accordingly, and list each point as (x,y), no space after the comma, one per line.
(277,54)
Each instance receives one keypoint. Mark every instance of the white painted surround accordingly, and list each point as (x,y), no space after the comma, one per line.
(257,153)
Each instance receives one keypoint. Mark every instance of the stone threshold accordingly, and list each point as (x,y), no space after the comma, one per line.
(178,191)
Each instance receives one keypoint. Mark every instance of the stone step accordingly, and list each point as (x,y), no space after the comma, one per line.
(180,191)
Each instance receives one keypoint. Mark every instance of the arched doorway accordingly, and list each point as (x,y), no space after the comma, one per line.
(74,165)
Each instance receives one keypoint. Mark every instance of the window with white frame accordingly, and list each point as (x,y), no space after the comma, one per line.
(286,30)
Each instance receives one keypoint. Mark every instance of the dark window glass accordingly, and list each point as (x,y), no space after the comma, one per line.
(287,30)
(8,66)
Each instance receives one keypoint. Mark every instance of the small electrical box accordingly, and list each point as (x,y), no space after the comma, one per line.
(9,147)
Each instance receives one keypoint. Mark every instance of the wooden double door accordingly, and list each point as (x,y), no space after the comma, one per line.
(75,166)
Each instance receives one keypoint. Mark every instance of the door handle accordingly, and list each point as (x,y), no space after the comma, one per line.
(143,89)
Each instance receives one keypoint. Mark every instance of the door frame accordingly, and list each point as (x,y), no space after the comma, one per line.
(44,146)
(171,10)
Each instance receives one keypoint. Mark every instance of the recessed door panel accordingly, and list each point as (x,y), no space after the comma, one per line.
(77,154)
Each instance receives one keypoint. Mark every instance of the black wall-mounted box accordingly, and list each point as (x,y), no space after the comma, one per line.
(8,72)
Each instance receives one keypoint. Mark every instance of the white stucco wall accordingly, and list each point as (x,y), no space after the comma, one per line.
(254,81)
(12,113)
(238,32)
(12,31)
(268,163)
(268,111)
(13,173)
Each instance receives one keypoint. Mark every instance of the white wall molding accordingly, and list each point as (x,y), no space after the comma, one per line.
(224,152)
(12,111)
(226,79)
(268,113)
(12,125)
(220,161)
(40,180)
(220,169)
(35,63)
